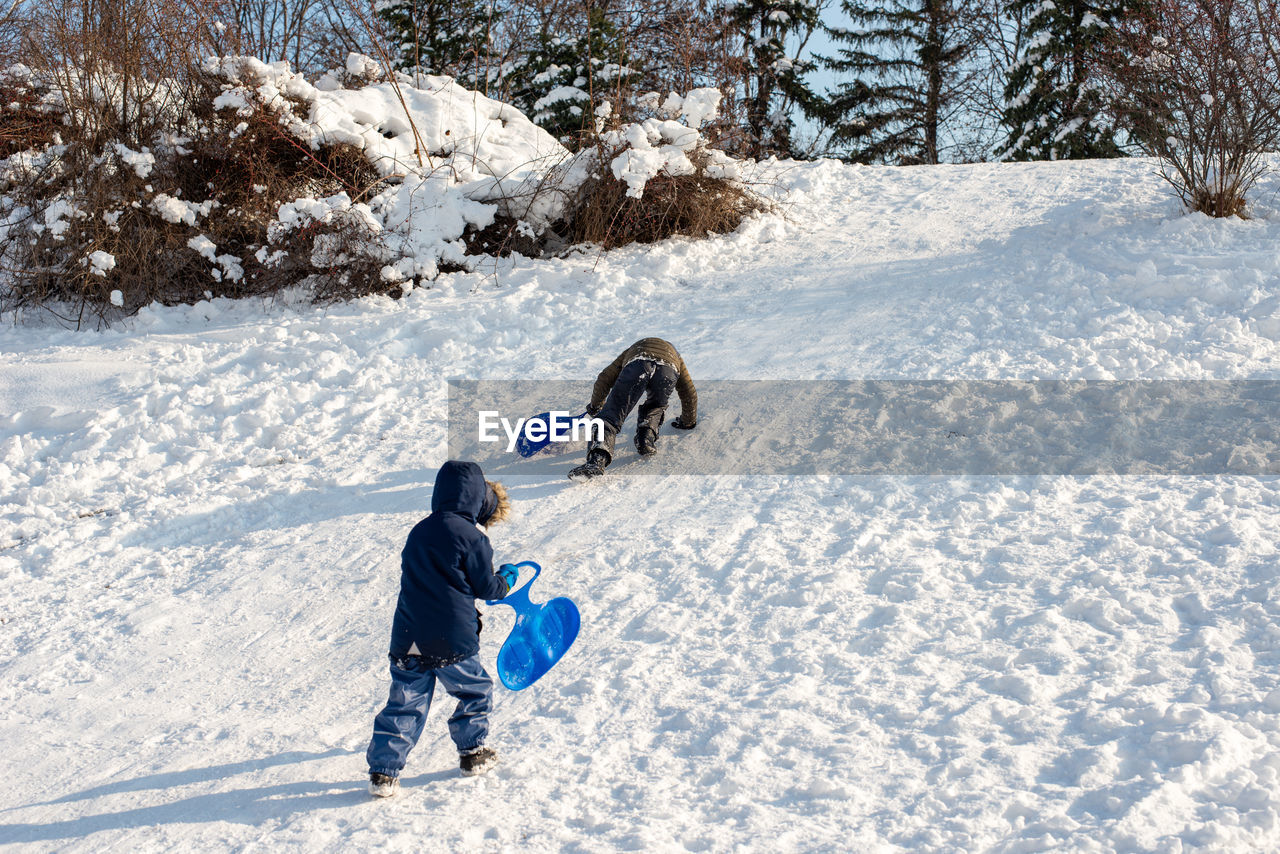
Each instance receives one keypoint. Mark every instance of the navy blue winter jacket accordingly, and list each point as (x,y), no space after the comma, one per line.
(446,565)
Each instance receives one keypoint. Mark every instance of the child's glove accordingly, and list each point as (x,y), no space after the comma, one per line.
(681,424)
(508,573)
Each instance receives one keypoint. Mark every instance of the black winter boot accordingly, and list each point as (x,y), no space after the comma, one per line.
(383,785)
(646,442)
(477,761)
(597,459)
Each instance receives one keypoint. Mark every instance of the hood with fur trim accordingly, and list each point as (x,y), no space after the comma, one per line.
(460,488)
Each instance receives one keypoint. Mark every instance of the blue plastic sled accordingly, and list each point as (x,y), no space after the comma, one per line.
(527,447)
(541,636)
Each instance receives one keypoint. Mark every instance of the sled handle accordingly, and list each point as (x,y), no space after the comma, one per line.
(537,570)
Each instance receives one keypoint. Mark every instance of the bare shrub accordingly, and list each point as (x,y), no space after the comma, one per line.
(339,259)
(507,235)
(691,205)
(66,267)
(96,229)
(26,121)
(249,169)
(272,30)
(1199,87)
(122,184)
(120,70)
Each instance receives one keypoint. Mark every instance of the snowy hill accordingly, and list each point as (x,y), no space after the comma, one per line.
(201,514)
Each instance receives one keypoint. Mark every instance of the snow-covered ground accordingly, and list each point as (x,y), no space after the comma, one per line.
(201,513)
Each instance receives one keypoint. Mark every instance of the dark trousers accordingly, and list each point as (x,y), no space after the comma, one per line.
(640,378)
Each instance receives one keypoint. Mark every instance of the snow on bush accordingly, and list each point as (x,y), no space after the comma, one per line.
(453,161)
(458,160)
(254,187)
(424,125)
(659,146)
(578,194)
(101,263)
(649,179)
(175,210)
(142,162)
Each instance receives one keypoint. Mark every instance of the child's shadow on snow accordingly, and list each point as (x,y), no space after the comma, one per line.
(250,806)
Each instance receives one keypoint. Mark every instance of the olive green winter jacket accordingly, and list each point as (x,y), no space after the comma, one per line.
(659,351)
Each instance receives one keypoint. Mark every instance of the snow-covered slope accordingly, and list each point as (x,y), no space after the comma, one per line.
(201,515)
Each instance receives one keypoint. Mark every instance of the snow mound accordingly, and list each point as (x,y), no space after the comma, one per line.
(452,157)
(412,125)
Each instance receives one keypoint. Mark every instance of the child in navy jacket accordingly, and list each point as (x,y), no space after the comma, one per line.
(447,564)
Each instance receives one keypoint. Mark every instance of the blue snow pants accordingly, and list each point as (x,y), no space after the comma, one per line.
(398,727)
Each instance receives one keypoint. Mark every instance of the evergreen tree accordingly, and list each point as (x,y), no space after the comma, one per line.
(904,58)
(558,78)
(773,78)
(439,36)
(1054,110)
